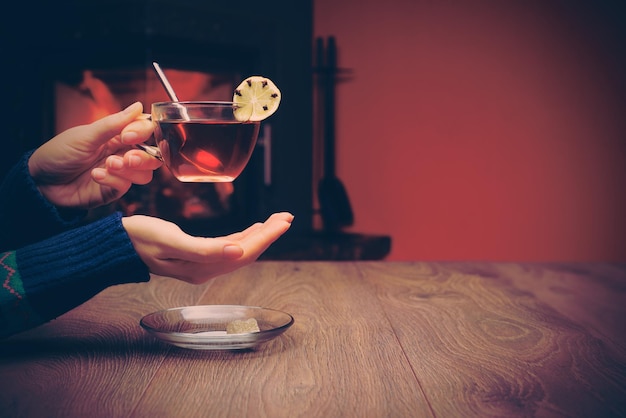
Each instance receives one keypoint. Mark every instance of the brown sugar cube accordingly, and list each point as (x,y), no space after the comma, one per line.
(240,327)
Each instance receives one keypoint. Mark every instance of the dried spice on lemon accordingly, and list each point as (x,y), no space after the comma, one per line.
(256,98)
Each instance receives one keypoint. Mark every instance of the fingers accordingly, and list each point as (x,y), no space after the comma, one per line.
(238,236)
(134,167)
(137,160)
(261,237)
(157,240)
(106,128)
(206,251)
(105,178)
(137,131)
(210,263)
(253,242)
(281,216)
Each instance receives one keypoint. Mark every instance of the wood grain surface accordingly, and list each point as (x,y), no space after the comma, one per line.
(370,339)
(492,341)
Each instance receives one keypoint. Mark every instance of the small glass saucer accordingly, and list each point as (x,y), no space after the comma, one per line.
(203,327)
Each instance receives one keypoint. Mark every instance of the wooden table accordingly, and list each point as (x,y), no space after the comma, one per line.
(370,339)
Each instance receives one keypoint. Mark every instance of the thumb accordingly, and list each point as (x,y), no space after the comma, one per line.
(205,250)
(106,128)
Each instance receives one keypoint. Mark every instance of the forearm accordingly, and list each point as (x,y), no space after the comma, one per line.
(25,215)
(46,279)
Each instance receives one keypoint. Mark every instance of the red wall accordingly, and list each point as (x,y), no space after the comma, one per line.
(491,130)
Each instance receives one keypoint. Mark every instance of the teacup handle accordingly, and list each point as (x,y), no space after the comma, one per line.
(151,150)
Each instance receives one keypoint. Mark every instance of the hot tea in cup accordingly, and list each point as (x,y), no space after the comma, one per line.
(203,141)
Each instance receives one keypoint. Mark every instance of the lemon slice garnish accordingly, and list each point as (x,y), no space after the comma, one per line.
(256,98)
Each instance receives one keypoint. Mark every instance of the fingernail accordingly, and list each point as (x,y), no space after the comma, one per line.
(128,137)
(116,163)
(98,173)
(233,251)
(131,108)
(134,161)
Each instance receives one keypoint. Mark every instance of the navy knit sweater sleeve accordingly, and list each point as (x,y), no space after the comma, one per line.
(48,277)
(25,215)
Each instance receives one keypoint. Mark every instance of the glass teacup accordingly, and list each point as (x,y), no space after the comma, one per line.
(202,141)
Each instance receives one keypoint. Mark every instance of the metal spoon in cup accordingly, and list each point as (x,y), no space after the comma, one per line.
(152,150)
(165,82)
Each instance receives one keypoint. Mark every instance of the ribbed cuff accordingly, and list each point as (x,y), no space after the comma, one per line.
(66,270)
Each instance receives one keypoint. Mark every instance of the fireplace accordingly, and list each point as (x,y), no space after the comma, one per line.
(61,57)
(69,61)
